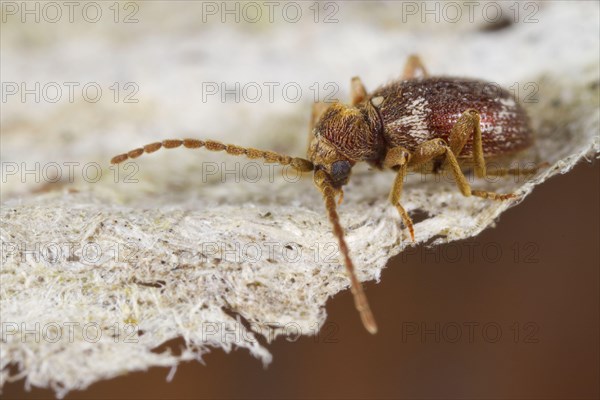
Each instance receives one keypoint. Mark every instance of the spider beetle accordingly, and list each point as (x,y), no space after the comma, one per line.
(424,123)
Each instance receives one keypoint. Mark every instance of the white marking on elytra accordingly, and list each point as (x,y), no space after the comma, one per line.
(508,102)
(498,132)
(508,109)
(415,119)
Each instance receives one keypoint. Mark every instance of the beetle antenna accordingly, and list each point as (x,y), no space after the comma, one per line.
(360,299)
(298,163)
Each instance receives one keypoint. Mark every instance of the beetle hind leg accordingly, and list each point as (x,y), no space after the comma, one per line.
(431,149)
(469,125)
(518,171)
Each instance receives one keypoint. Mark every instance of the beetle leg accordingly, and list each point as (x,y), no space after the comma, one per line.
(413,64)
(431,149)
(358,93)
(516,171)
(397,158)
(317,110)
(467,125)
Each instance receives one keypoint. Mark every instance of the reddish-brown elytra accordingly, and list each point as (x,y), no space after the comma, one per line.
(426,124)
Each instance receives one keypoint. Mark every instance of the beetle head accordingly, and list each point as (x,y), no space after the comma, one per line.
(338,140)
(326,158)
(342,136)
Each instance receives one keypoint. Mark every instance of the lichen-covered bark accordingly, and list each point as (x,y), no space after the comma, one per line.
(185,243)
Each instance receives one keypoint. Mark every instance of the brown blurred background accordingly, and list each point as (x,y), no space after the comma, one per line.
(516,308)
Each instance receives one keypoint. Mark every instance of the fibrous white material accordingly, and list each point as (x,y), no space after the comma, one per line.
(220,251)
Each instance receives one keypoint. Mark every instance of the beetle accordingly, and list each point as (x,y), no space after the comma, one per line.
(417,123)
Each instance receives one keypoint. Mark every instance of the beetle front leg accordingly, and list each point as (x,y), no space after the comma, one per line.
(431,149)
(358,93)
(397,158)
(318,109)
(412,65)
(469,125)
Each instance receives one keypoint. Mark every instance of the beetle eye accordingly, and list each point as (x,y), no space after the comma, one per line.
(340,170)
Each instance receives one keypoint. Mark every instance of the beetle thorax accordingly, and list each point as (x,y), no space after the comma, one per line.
(346,133)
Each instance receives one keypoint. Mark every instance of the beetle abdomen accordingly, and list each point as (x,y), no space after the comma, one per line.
(417,110)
